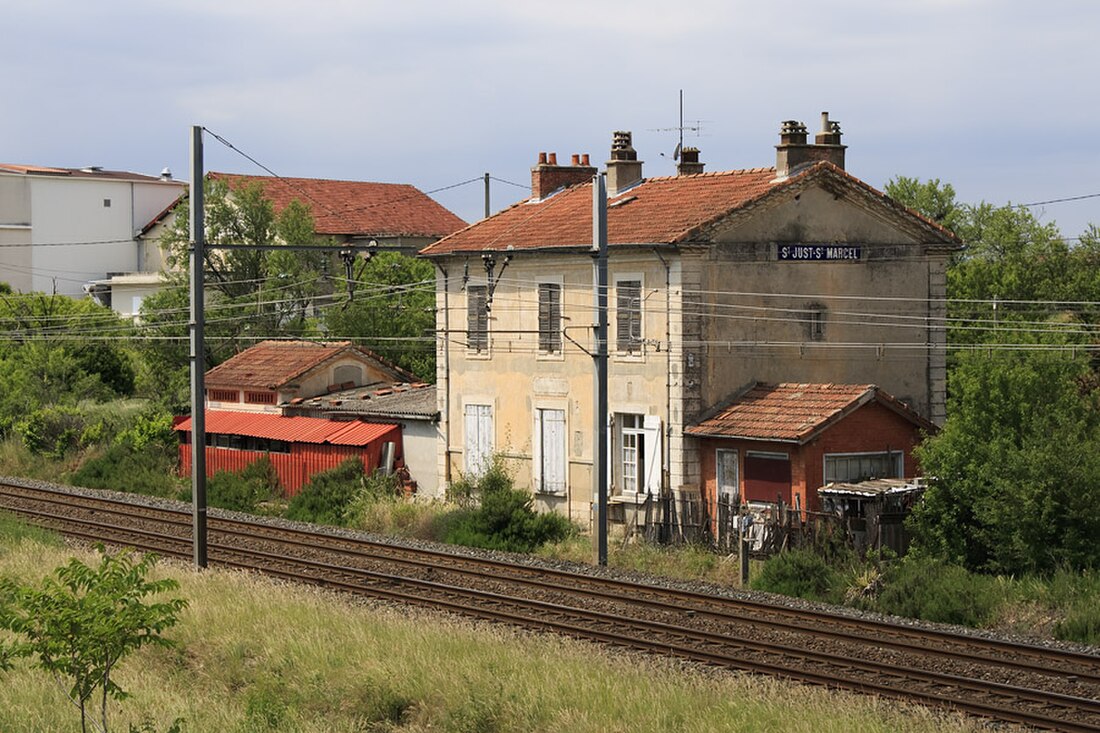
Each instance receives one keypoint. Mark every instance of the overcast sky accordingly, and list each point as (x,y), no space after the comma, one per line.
(997,97)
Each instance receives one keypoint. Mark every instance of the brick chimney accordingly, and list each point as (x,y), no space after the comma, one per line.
(624,169)
(548,176)
(689,162)
(793,152)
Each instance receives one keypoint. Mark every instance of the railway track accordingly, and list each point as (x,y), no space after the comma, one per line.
(1026,684)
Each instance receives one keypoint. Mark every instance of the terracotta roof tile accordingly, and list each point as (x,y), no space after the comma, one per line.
(788,412)
(357,207)
(668,210)
(271,364)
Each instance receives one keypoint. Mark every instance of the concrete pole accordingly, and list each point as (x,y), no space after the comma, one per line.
(599,356)
(198,365)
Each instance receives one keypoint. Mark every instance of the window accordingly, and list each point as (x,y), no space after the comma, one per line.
(549,450)
(628,316)
(814,322)
(106,203)
(636,453)
(727,474)
(477,318)
(854,467)
(259,398)
(549,318)
(223,395)
(479,438)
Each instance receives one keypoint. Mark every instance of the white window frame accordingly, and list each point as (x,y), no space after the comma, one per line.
(550,471)
(478,437)
(559,353)
(646,433)
(471,349)
(639,352)
(897,455)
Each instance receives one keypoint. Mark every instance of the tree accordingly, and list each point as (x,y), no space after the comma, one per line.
(392,312)
(79,624)
(1015,472)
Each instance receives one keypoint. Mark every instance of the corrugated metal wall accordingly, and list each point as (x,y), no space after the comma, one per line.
(294,468)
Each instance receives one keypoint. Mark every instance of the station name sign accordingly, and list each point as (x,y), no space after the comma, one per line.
(818,252)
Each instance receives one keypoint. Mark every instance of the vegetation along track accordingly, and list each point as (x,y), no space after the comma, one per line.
(1029,684)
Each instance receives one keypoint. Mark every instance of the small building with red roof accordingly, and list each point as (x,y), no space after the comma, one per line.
(781,442)
(797,272)
(256,407)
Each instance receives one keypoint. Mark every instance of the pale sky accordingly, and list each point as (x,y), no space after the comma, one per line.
(997,97)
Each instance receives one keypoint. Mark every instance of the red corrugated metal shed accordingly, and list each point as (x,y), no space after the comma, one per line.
(291,429)
(315,444)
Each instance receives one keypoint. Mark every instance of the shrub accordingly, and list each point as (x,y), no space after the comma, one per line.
(328,495)
(149,429)
(51,430)
(125,468)
(801,574)
(930,589)
(505,520)
(243,491)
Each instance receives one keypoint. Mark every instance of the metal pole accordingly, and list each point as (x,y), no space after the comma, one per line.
(198,367)
(486,195)
(599,356)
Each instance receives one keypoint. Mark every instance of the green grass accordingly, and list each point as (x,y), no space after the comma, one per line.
(257,655)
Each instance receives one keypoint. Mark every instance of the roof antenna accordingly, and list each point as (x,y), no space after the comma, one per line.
(697,128)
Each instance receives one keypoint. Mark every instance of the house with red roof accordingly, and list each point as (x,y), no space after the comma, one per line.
(254,409)
(779,443)
(798,272)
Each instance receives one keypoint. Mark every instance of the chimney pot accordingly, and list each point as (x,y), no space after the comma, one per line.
(542,158)
(689,162)
(548,176)
(552,159)
(793,152)
(584,160)
(624,169)
(576,159)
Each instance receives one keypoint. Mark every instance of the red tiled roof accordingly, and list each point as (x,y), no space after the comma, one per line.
(792,412)
(357,207)
(291,429)
(668,210)
(271,364)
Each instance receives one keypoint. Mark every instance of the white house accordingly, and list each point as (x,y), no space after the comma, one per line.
(63,229)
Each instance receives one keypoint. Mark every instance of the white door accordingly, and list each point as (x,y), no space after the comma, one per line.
(479,438)
(549,449)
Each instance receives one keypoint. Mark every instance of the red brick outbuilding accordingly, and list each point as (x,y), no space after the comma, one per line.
(786,440)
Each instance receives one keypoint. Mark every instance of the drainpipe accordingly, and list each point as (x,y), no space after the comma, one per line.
(668,370)
(446,376)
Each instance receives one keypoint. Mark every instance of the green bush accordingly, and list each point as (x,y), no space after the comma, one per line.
(149,429)
(930,589)
(245,490)
(124,468)
(505,520)
(801,574)
(51,430)
(327,497)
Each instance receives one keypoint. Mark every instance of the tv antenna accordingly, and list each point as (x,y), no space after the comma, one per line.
(696,127)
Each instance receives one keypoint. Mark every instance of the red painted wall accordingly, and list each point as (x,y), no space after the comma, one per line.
(870,429)
(294,468)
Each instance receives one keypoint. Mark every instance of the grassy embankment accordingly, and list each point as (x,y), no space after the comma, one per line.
(255,655)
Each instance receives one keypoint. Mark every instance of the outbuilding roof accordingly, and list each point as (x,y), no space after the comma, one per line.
(358,208)
(665,210)
(291,429)
(271,364)
(415,401)
(89,172)
(794,412)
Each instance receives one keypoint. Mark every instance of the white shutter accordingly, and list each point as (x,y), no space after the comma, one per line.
(470,432)
(479,438)
(651,435)
(553,449)
(485,435)
(536,451)
(612,452)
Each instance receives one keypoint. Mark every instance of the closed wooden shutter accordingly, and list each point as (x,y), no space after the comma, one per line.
(549,317)
(628,315)
(478,424)
(477,318)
